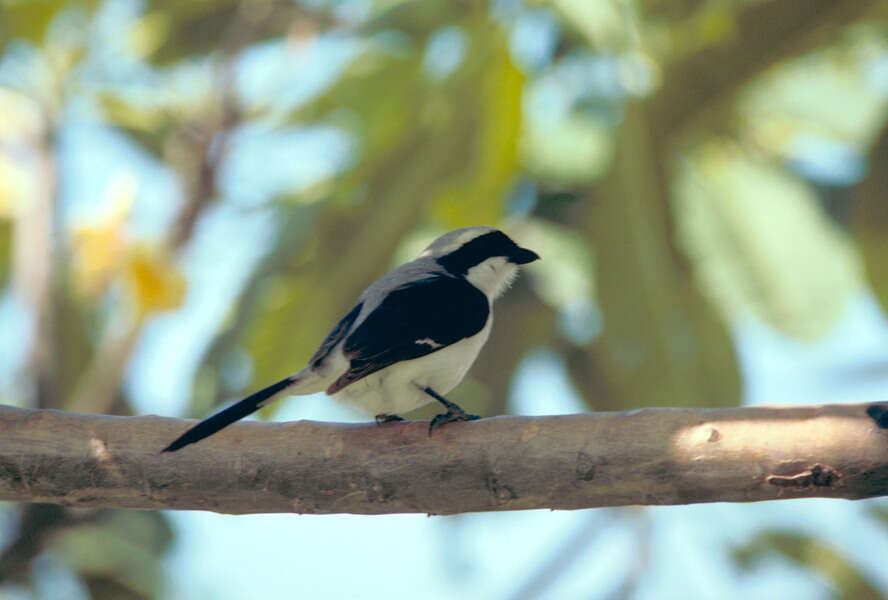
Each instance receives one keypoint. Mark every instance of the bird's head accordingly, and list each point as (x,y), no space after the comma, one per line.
(485,256)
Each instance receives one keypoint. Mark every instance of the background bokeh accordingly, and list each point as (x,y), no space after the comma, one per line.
(193,193)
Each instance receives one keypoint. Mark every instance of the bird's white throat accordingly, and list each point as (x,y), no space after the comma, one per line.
(493,276)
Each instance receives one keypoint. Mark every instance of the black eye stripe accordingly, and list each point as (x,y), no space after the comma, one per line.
(472,253)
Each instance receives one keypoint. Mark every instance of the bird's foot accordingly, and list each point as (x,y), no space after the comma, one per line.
(454,412)
(451,416)
(384,418)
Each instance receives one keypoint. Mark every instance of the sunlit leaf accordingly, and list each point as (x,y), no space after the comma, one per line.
(474,195)
(573,151)
(99,247)
(149,32)
(599,22)
(103,251)
(154,280)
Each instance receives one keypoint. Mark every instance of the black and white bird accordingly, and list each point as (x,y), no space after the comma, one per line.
(411,337)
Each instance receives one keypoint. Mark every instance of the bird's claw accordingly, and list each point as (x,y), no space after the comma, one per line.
(449,417)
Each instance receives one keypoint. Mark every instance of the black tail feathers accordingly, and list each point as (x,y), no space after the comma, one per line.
(226,417)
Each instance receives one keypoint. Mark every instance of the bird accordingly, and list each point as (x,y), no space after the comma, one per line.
(410,337)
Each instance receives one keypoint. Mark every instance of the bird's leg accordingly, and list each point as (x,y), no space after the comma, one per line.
(386,418)
(454,412)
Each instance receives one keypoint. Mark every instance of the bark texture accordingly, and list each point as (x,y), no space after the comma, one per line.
(647,456)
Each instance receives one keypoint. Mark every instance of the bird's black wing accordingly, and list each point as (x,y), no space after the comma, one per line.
(415,319)
(335,336)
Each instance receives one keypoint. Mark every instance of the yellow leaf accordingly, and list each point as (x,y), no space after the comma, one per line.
(153,279)
(475,195)
(148,34)
(99,247)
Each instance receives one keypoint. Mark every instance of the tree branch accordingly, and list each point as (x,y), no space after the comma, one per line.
(650,456)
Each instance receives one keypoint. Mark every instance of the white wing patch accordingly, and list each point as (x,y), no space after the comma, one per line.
(428,342)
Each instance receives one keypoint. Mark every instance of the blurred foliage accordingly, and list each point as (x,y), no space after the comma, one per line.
(846,580)
(127,564)
(870,219)
(5,249)
(661,344)
(730,228)
(102,252)
(681,166)
(880,511)
(29,19)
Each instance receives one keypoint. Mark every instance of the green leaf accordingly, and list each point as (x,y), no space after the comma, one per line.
(29,19)
(734,217)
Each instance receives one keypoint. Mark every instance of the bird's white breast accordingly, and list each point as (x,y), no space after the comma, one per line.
(399,388)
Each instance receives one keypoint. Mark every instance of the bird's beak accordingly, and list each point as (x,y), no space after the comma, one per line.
(522,256)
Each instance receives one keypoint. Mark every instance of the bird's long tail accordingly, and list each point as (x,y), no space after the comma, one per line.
(241,409)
